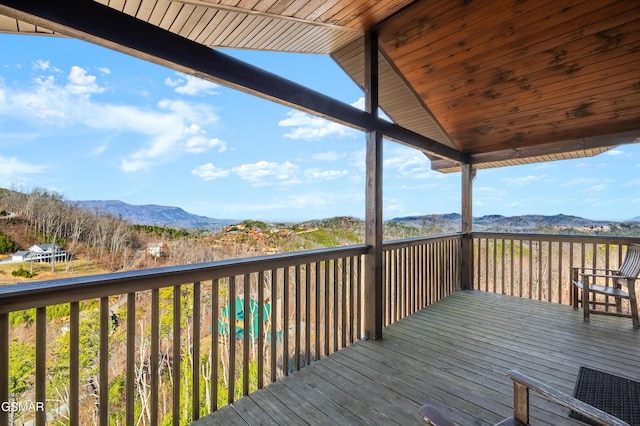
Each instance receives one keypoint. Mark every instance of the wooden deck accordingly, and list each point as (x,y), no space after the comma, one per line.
(456,353)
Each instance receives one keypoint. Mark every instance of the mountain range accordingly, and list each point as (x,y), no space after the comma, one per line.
(499,223)
(152,214)
(175,217)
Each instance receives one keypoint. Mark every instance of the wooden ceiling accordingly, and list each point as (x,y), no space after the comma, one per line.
(503,82)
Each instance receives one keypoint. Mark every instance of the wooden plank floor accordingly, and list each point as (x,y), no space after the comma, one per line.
(454,353)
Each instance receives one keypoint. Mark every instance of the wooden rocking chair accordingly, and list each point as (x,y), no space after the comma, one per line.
(615,279)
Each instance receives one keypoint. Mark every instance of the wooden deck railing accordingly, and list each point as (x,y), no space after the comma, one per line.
(536,266)
(176,342)
(418,272)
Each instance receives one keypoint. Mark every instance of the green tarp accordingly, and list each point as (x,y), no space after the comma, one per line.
(223,324)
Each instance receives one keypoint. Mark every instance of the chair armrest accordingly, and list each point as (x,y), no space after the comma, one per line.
(594,269)
(617,277)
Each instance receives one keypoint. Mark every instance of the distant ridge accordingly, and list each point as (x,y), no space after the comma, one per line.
(176,217)
(523,223)
(152,214)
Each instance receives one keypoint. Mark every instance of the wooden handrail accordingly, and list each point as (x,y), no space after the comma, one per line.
(44,293)
(557,237)
(417,241)
(522,384)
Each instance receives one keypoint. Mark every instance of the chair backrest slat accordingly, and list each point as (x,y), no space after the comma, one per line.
(631,265)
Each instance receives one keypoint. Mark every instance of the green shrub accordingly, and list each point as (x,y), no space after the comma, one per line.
(22,273)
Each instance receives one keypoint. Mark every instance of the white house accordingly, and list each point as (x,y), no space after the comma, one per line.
(20,256)
(157,249)
(46,252)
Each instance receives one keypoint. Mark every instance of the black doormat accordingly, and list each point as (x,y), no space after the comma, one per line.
(615,395)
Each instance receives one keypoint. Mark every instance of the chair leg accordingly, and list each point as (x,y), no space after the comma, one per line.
(585,298)
(573,289)
(633,304)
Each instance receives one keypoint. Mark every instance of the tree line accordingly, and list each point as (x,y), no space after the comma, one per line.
(58,221)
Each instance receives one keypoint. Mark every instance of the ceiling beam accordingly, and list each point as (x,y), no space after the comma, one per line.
(595,142)
(93,22)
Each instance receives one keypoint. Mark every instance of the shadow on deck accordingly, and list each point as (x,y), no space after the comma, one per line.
(454,353)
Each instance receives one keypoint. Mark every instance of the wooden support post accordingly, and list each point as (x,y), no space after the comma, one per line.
(466,267)
(372,304)
(521,402)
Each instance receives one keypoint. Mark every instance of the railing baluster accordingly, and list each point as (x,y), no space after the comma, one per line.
(74,363)
(195,390)
(352,301)
(502,264)
(285,323)
(155,350)
(261,329)
(336,305)
(246,333)
(318,266)
(344,293)
(215,312)
(275,312)
(297,287)
(4,366)
(511,267)
(232,339)
(386,300)
(358,296)
(486,265)
(177,331)
(307,314)
(41,363)
(104,361)
(130,358)
(549,270)
(327,279)
(560,269)
(396,286)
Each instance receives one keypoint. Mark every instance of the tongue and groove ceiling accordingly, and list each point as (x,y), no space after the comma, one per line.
(504,82)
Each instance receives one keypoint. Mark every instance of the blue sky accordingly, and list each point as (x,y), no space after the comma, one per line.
(91,124)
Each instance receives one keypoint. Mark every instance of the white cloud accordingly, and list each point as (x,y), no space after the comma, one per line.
(525,180)
(615,152)
(579,182)
(325,156)
(407,162)
(263,173)
(308,127)
(14,169)
(320,199)
(166,132)
(595,188)
(41,64)
(359,103)
(209,172)
(192,86)
(198,144)
(81,83)
(104,70)
(316,174)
